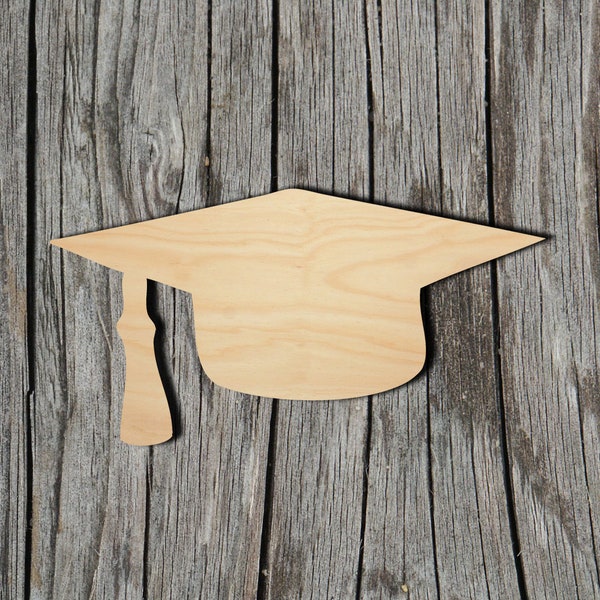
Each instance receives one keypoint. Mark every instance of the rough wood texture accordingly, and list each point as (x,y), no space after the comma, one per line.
(146,96)
(546,137)
(14,374)
(471,515)
(465,483)
(399,538)
(83,544)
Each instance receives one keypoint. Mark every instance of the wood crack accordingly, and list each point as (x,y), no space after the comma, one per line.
(31,132)
(508,484)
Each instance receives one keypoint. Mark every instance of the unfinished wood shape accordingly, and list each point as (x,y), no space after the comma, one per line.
(297,295)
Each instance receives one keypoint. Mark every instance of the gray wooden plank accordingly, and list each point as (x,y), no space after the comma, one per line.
(129,159)
(456,542)
(89,490)
(318,459)
(545,93)
(399,553)
(133,93)
(14,375)
(207,487)
(473,533)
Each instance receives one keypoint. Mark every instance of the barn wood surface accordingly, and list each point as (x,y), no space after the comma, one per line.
(478,479)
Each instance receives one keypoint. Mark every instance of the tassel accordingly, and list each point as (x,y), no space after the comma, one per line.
(146,418)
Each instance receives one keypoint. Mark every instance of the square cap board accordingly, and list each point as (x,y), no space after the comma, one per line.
(296,295)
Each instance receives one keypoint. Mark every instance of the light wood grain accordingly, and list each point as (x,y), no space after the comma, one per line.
(545,95)
(297,295)
(15,370)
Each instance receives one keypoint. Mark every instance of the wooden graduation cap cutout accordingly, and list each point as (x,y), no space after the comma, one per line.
(297,295)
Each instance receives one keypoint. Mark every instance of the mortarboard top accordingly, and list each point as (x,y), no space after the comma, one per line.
(297,295)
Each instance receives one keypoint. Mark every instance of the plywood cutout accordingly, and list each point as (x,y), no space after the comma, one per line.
(296,295)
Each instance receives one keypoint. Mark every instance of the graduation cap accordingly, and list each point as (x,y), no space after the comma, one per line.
(296,295)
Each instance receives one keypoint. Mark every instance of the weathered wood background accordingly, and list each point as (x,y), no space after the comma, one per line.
(480,478)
